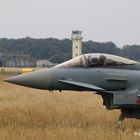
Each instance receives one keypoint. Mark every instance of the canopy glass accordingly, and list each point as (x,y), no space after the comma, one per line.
(96,60)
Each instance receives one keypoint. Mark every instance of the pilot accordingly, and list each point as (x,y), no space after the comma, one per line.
(92,61)
(101,60)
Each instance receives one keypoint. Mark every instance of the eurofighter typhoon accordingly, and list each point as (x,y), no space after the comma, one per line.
(115,78)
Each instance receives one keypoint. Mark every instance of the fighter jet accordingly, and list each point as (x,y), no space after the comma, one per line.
(115,78)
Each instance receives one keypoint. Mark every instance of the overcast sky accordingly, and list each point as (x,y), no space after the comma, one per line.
(100,20)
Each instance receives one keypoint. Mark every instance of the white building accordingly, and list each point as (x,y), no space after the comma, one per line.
(44,63)
(76,43)
(16,60)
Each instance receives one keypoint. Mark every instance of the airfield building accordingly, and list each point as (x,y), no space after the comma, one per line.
(44,63)
(76,43)
(16,60)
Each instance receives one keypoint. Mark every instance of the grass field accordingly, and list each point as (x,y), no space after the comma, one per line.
(29,114)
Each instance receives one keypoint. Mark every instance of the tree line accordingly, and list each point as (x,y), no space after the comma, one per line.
(58,51)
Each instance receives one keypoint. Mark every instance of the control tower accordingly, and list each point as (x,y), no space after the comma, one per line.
(76,43)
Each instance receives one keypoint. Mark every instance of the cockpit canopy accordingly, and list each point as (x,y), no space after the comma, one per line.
(96,60)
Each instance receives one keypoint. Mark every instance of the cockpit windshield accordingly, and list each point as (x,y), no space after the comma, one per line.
(96,60)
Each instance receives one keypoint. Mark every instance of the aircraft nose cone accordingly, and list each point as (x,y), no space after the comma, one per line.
(40,79)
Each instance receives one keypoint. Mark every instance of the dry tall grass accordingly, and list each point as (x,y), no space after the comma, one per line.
(29,114)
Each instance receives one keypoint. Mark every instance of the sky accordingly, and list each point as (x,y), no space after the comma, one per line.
(100,20)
